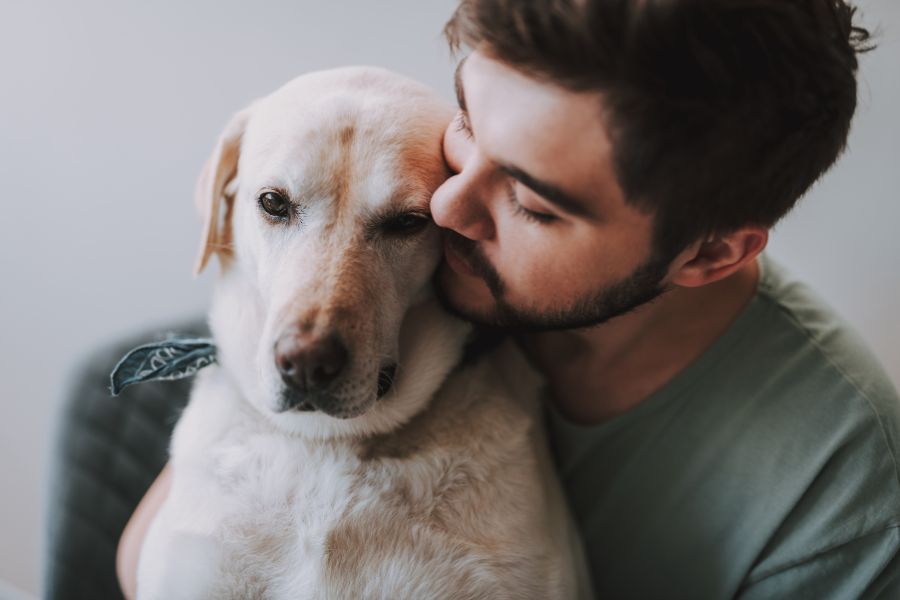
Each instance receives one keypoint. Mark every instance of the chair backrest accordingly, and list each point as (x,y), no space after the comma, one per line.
(107,451)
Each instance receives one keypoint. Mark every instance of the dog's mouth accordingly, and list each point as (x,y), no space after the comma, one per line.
(386,379)
(303,406)
(293,400)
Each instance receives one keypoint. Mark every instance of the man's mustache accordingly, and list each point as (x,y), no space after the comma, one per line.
(472,253)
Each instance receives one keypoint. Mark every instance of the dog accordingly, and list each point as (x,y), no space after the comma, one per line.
(339,449)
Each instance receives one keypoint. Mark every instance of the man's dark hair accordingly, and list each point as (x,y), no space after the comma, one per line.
(721,113)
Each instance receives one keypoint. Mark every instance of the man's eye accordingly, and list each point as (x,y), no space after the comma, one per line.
(531,215)
(275,205)
(405,223)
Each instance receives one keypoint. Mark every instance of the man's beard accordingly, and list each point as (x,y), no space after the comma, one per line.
(642,286)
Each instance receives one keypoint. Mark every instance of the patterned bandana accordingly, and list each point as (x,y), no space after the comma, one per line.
(174,358)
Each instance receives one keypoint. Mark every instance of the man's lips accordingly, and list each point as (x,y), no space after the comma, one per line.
(457,262)
(466,258)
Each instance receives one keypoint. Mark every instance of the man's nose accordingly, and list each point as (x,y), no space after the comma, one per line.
(461,204)
(309,363)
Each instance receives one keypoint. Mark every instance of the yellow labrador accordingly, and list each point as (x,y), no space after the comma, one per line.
(339,450)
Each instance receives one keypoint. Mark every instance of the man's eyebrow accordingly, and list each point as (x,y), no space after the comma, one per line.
(549,191)
(458,85)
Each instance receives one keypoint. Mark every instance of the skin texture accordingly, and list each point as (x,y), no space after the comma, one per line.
(547,266)
(133,535)
(523,258)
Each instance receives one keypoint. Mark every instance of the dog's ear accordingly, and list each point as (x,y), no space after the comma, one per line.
(215,188)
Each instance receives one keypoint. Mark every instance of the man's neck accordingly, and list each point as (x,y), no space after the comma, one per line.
(598,373)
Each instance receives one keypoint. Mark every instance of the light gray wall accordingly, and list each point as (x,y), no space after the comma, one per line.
(110,108)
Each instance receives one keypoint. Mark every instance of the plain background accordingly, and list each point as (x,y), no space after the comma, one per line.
(110,108)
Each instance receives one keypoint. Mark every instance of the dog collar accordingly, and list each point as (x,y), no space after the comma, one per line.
(168,360)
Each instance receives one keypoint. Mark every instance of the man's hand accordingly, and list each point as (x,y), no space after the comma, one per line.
(132,539)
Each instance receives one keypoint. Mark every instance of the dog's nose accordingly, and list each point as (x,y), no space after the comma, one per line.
(308,363)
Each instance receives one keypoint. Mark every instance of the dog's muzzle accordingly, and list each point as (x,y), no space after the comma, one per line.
(308,364)
(311,366)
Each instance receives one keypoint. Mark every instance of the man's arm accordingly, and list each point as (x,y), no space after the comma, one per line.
(135,530)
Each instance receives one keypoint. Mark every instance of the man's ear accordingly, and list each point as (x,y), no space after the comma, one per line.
(215,188)
(719,256)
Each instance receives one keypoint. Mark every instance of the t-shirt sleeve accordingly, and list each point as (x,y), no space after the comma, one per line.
(866,567)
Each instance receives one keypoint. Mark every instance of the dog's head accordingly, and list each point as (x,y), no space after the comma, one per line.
(316,202)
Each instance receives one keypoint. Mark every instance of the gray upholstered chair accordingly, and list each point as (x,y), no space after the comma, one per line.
(107,451)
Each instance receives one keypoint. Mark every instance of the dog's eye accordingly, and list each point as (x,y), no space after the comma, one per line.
(405,223)
(275,204)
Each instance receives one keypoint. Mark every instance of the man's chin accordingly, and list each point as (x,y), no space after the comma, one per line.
(469,297)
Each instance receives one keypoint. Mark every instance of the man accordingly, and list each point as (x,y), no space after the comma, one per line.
(616,167)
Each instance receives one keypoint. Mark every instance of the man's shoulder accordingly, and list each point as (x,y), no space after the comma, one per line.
(829,412)
(822,346)
(817,375)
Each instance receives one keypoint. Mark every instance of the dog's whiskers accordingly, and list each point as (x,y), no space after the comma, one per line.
(229,247)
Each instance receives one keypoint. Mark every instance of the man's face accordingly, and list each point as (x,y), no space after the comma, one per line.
(537,231)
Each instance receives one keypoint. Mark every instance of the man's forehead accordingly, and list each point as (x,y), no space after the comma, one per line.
(539,133)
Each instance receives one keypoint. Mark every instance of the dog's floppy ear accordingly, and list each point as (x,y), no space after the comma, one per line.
(215,188)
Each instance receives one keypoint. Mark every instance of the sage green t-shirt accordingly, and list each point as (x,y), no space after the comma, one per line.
(767,469)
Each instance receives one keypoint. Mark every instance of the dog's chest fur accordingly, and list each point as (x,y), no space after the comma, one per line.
(430,504)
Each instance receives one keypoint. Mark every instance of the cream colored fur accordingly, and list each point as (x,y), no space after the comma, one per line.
(442,488)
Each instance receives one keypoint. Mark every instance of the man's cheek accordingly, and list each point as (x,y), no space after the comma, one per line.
(530,275)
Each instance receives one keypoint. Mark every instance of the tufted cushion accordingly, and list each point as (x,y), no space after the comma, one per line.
(107,451)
